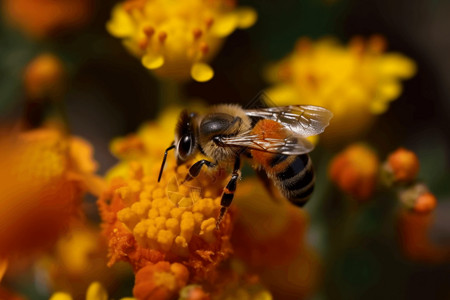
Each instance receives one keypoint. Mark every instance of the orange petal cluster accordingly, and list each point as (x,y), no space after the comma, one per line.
(162,280)
(269,238)
(413,233)
(42,184)
(355,170)
(44,18)
(147,222)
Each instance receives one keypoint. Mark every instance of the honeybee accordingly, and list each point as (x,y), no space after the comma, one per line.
(274,138)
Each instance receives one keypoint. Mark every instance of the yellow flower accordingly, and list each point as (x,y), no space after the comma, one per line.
(78,259)
(356,82)
(146,221)
(95,291)
(42,183)
(177,38)
(141,146)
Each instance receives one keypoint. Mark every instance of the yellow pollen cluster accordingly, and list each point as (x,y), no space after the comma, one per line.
(176,38)
(165,216)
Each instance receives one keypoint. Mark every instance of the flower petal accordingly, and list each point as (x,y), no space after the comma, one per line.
(96,292)
(152,61)
(225,25)
(60,296)
(202,72)
(246,17)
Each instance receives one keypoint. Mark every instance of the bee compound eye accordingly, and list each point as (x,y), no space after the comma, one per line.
(184,146)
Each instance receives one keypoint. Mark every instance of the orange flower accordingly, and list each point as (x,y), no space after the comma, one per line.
(160,281)
(42,184)
(269,238)
(262,231)
(297,279)
(147,222)
(402,166)
(354,171)
(43,18)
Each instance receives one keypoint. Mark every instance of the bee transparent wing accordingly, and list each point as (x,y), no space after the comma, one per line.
(305,120)
(292,145)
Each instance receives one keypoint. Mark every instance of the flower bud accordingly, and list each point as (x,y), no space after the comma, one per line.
(44,77)
(354,171)
(402,166)
(418,198)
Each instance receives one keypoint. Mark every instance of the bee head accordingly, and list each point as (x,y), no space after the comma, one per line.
(185,138)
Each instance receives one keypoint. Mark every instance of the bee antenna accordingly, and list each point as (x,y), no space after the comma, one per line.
(164,160)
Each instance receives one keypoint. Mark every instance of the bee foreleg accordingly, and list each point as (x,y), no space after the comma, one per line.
(228,191)
(194,170)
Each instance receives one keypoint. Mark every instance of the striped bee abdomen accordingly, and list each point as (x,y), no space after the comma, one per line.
(293,176)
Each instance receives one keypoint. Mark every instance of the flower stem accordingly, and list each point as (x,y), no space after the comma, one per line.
(170,93)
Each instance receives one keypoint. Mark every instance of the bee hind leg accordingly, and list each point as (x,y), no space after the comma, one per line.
(228,191)
(194,170)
